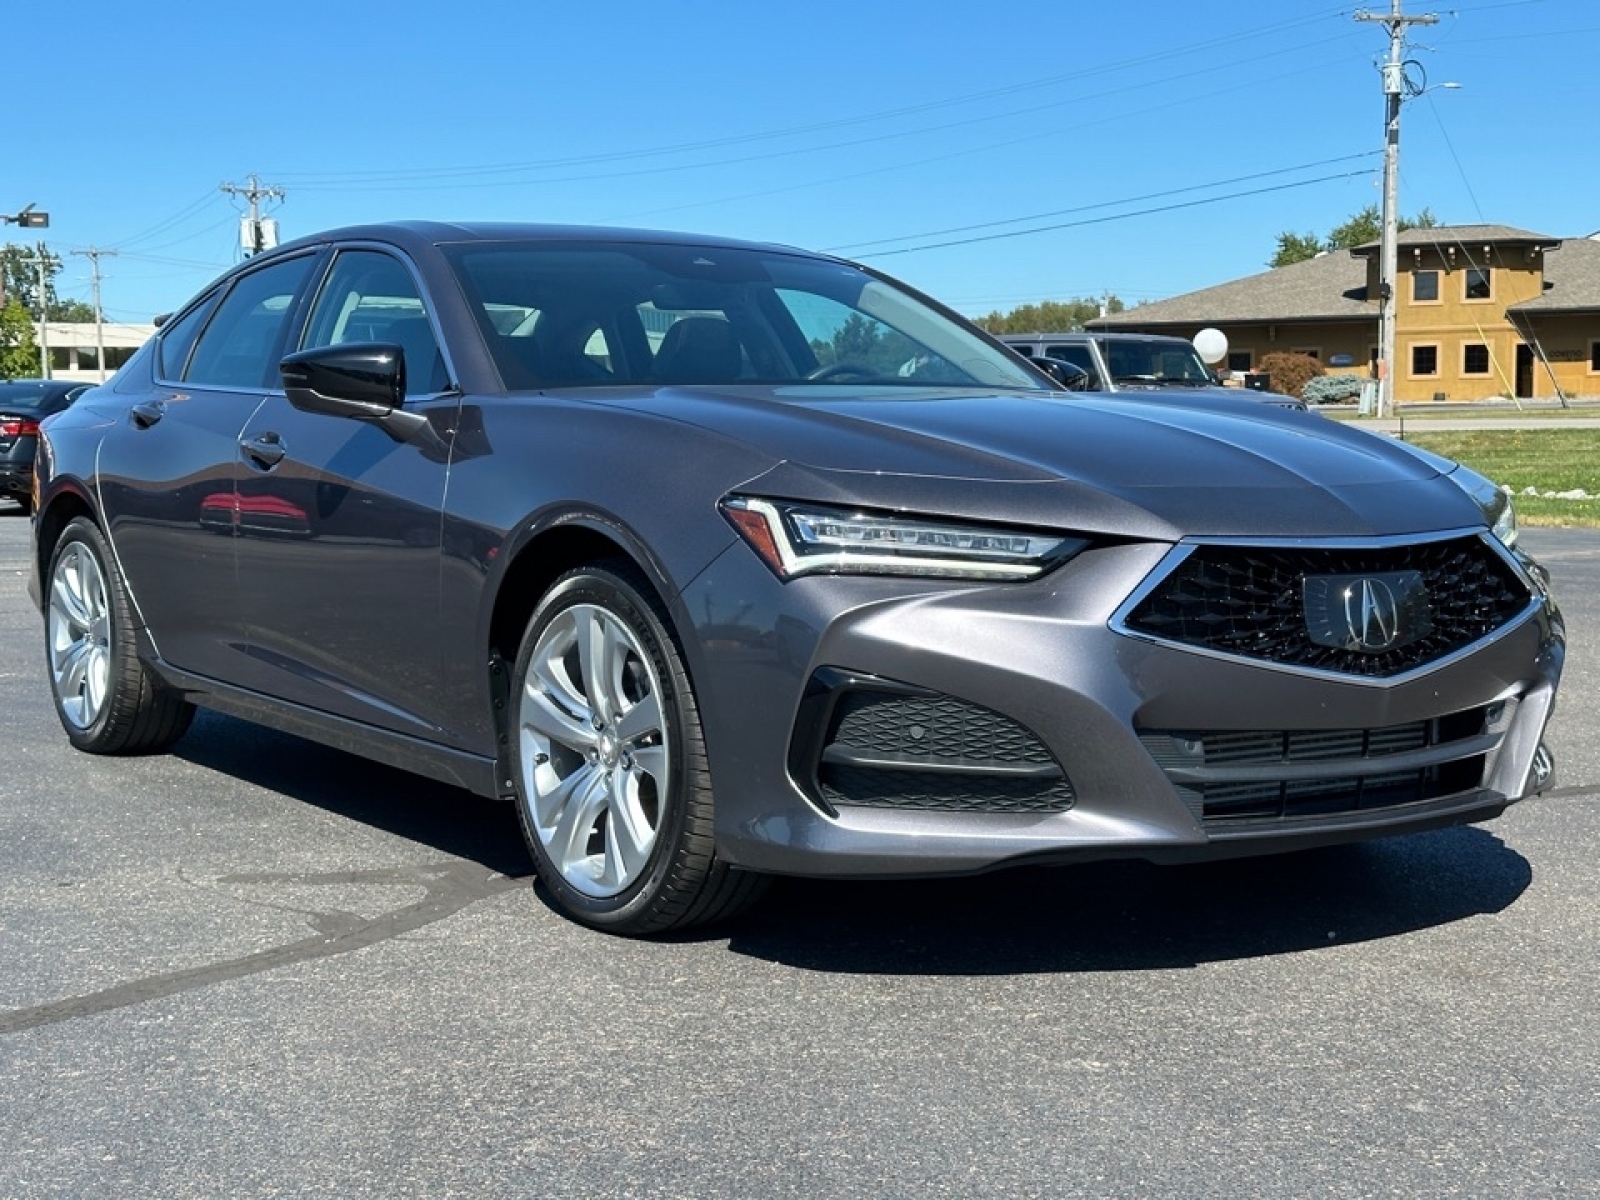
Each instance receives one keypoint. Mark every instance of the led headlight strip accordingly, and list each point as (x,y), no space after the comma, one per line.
(805,539)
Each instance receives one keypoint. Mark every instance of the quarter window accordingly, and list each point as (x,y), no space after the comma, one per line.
(1478,283)
(1475,359)
(177,340)
(1424,360)
(241,344)
(1424,287)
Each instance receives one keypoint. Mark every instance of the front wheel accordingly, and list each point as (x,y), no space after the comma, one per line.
(613,786)
(107,700)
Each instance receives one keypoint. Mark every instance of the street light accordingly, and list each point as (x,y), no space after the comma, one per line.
(27,219)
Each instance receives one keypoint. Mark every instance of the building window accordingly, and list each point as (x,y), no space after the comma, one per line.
(1243,360)
(1594,358)
(1424,287)
(1474,359)
(1478,284)
(1309,351)
(1425,360)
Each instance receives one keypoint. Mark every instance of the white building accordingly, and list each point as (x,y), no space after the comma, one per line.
(74,347)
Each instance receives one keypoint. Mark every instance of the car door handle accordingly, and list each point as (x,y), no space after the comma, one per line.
(147,412)
(267,449)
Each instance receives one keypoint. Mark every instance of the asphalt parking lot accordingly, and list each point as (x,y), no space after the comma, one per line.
(256,967)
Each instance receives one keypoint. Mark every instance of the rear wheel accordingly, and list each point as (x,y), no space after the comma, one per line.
(613,786)
(106,699)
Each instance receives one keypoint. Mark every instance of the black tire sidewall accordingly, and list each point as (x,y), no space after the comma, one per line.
(612,591)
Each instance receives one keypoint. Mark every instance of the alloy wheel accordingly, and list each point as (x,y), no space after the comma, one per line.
(593,749)
(80,635)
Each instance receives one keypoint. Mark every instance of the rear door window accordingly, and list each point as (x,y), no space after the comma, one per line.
(241,345)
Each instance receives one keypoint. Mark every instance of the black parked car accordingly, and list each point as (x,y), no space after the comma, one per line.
(23,404)
(723,559)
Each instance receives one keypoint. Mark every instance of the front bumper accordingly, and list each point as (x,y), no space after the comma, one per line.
(1043,657)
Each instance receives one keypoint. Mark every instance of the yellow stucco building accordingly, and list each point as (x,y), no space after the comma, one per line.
(1481,311)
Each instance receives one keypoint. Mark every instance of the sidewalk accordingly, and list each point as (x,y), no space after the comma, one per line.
(1581,413)
(1420,424)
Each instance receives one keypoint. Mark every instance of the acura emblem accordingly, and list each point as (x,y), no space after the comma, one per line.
(1367,614)
(1371,615)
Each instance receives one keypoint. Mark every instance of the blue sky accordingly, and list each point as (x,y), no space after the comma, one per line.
(1143,149)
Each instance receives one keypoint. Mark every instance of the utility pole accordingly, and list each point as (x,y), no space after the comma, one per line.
(41,261)
(255,235)
(94,254)
(1388,250)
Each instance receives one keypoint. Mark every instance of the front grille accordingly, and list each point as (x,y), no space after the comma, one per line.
(1228,777)
(1249,601)
(872,744)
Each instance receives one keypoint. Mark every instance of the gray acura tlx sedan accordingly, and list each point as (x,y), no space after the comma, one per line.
(723,560)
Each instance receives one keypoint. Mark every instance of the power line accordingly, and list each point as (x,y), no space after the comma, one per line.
(1143,212)
(1187,51)
(1198,187)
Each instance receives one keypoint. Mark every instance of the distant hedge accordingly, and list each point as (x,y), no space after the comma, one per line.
(1333,389)
(1288,372)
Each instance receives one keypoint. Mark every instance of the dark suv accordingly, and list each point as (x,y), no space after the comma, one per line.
(23,404)
(1138,362)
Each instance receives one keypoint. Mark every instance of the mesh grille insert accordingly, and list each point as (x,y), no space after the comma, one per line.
(1249,601)
(891,749)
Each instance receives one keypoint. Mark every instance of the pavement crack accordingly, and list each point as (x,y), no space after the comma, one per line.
(448,888)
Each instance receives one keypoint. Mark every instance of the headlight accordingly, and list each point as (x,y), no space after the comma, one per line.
(1498,511)
(805,539)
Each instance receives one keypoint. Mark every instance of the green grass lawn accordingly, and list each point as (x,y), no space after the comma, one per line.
(1547,460)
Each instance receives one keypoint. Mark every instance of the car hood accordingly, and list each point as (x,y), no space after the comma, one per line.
(1139,467)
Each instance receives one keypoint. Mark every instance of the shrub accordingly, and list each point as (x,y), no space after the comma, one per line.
(1289,373)
(1333,389)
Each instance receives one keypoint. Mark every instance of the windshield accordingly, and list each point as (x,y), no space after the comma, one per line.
(1154,362)
(574,314)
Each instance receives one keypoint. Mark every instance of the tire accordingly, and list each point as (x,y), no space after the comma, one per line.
(613,787)
(25,503)
(108,702)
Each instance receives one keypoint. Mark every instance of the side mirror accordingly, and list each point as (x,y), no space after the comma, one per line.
(1069,375)
(363,380)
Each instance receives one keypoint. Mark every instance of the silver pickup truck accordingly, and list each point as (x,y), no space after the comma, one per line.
(1138,362)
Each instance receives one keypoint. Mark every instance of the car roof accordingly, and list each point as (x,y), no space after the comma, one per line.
(437,233)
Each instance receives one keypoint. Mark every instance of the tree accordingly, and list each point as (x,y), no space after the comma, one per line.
(1296,247)
(19,356)
(1361,228)
(1051,316)
(20,272)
